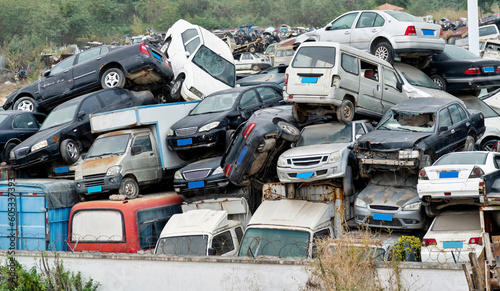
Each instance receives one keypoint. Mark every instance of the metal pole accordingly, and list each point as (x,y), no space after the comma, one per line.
(472,20)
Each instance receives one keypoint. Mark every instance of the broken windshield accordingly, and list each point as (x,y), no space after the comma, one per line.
(281,243)
(215,65)
(408,121)
(337,133)
(192,245)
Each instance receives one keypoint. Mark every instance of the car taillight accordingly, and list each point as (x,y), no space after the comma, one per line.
(286,79)
(476,172)
(144,49)
(476,241)
(481,187)
(227,170)
(423,175)
(410,30)
(262,60)
(498,70)
(473,71)
(249,129)
(428,242)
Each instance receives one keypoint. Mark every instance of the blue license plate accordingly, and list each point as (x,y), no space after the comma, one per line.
(383,217)
(157,56)
(453,245)
(197,184)
(182,142)
(446,175)
(488,69)
(427,32)
(60,170)
(305,175)
(242,155)
(309,80)
(94,189)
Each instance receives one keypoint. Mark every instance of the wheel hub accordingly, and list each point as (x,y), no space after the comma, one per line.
(112,79)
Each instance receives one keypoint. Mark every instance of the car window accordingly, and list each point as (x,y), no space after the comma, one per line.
(109,97)
(367,19)
(456,114)
(487,30)
(290,52)
(239,233)
(314,57)
(267,93)
(359,129)
(350,64)
(63,65)
(223,243)
(144,142)
(390,79)
(370,71)
(344,22)
(444,118)
(249,99)
(25,121)
(151,221)
(379,21)
(191,40)
(246,56)
(496,160)
(90,105)
(87,55)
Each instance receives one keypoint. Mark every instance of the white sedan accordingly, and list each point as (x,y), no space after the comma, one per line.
(456,175)
(452,236)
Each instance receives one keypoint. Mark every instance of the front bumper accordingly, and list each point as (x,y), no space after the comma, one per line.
(388,218)
(206,139)
(98,183)
(41,156)
(211,184)
(311,174)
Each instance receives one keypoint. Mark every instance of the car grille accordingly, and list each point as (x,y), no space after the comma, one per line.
(394,222)
(94,176)
(309,161)
(198,174)
(94,180)
(384,207)
(186,131)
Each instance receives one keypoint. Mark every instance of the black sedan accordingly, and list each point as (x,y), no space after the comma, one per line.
(458,69)
(200,178)
(211,122)
(137,66)
(16,126)
(66,130)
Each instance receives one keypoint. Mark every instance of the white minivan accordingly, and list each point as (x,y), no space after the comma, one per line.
(332,78)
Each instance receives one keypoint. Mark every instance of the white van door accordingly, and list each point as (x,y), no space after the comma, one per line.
(370,91)
(391,95)
(145,163)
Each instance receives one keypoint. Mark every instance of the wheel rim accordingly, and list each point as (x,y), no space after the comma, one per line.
(287,128)
(382,53)
(347,112)
(129,189)
(438,83)
(72,150)
(25,105)
(112,79)
(488,146)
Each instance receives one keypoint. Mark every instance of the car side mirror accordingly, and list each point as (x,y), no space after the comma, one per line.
(136,150)
(399,86)
(358,136)
(328,26)
(443,128)
(211,252)
(81,115)
(187,54)
(46,73)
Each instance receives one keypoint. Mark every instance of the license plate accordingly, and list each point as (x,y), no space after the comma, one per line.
(242,155)
(94,189)
(60,170)
(309,80)
(446,175)
(488,69)
(186,141)
(197,184)
(427,32)
(453,245)
(305,175)
(383,217)
(157,56)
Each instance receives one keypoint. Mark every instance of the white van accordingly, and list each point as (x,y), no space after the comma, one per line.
(328,78)
(284,55)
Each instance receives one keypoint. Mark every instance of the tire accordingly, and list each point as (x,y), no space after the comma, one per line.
(129,188)
(439,81)
(287,131)
(489,145)
(383,51)
(347,182)
(297,114)
(470,142)
(113,78)
(25,104)
(252,49)
(70,152)
(229,133)
(255,68)
(175,91)
(345,112)
(6,151)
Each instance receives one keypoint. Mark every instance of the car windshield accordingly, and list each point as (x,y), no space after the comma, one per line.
(478,104)
(60,115)
(281,243)
(192,245)
(464,158)
(215,65)
(337,133)
(408,121)
(458,221)
(403,16)
(215,103)
(109,145)
(458,53)
(417,78)
(314,57)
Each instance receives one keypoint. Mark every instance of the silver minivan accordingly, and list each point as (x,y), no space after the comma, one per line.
(332,78)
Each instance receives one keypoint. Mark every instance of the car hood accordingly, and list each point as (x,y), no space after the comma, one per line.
(391,189)
(418,91)
(315,149)
(47,134)
(200,119)
(99,165)
(211,163)
(390,140)
(311,35)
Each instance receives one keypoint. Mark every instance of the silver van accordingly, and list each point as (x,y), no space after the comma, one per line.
(332,78)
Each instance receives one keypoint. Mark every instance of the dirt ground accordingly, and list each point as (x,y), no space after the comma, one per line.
(6,88)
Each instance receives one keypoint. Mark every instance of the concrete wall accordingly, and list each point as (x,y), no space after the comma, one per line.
(147,272)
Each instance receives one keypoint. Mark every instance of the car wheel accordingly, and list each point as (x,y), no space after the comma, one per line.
(175,91)
(129,188)
(287,131)
(297,114)
(113,78)
(70,152)
(469,143)
(490,146)
(25,104)
(439,81)
(252,49)
(255,68)
(347,182)
(6,151)
(383,51)
(345,112)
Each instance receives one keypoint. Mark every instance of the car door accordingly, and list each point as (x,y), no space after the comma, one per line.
(145,163)
(249,103)
(25,125)
(445,132)
(461,125)
(87,66)
(370,91)
(115,98)
(270,96)
(82,129)
(391,95)
(246,61)
(340,29)
(58,81)
(369,24)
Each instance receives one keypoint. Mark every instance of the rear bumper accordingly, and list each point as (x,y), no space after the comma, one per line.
(452,190)
(472,82)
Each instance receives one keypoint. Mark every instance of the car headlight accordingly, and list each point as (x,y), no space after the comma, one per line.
(12,154)
(335,157)
(170,132)
(408,154)
(412,207)
(282,162)
(39,145)
(209,126)
(178,175)
(218,171)
(360,203)
(113,170)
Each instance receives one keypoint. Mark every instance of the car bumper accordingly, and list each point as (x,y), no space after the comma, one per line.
(433,254)
(448,190)
(479,82)
(144,70)
(38,157)
(326,171)
(413,45)
(398,219)
(98,184)
(208,139)
(312,99)
(217,184)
